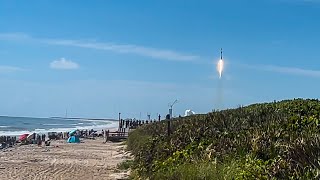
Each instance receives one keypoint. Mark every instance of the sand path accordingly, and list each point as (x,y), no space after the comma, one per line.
(89,160)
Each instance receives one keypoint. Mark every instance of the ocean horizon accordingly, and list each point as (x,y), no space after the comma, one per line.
(13,126)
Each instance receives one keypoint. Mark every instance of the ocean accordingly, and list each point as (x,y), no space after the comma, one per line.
(13,126)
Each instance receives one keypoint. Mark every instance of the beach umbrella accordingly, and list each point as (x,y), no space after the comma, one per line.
(31,136)
(23,137)
(72,132)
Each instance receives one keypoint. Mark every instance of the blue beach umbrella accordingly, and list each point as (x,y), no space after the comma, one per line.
(72,132)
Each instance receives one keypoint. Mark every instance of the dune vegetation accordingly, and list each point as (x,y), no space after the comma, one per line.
(278,140)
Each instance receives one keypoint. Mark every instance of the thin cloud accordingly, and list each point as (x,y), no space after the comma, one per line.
(117,48)
(285,70)
(127,49)
(10,69)
(64,64)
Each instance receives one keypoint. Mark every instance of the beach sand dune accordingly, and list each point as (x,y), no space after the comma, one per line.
(91,159)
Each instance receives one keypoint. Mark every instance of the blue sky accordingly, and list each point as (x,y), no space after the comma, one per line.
(98,58)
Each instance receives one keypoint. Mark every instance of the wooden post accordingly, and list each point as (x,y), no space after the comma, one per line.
(119,121)
(168,119)
(169,127)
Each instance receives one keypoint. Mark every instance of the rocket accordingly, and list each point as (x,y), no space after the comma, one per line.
(220,65)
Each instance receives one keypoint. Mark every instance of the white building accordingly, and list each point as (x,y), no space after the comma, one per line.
(189,112)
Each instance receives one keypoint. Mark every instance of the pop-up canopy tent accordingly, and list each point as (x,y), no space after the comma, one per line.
(73,139)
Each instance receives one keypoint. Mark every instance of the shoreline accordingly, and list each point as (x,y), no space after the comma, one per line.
(45,131)
(15,126)
(90,159)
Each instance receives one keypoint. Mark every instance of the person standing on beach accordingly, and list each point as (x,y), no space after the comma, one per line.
(39,142)
(43,137)
(33,140)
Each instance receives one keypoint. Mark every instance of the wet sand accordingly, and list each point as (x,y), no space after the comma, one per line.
(91,159)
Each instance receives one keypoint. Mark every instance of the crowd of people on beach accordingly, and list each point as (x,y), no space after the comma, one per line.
(7,141)
(40,139)
(81,133)
(133,123)
(37,139)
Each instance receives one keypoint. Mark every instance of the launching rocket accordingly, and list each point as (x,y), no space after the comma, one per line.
(220,65)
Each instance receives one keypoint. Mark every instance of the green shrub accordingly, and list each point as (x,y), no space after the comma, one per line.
(125,165)
(278,140)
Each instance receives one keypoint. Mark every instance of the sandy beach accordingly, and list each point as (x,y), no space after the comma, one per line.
(91,159)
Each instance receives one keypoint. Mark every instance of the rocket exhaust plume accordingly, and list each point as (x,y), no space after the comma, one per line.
(220,66)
